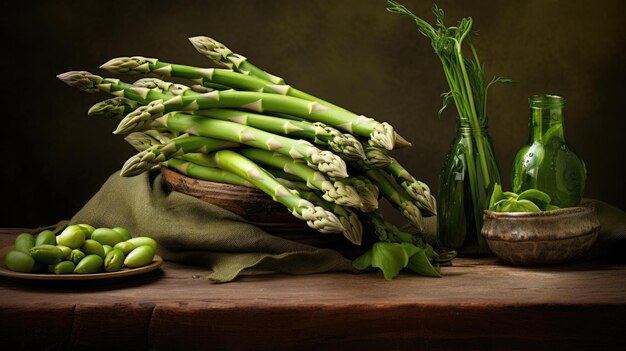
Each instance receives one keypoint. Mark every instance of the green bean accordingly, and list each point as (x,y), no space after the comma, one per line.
(125,246)
(143,240)
(89,264)
(139,257)
(92,247)
(107,236)
(19,261)
(24,242)
(76,256)
(124,232)
(73,236)
(107,249)
(46,254)
(114,261)
(66,251)
(63,267)
(88,230)
(46,237)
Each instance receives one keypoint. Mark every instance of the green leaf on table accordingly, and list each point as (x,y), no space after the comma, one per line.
(420,264)
(390,258)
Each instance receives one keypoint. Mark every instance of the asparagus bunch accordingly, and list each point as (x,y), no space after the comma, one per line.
(245,126)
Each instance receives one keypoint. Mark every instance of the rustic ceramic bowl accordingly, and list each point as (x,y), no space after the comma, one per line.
(251,204)
(541,238)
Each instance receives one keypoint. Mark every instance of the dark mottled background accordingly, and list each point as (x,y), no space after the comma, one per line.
(350,52)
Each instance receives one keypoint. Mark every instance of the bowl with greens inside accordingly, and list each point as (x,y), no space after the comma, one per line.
(525,229)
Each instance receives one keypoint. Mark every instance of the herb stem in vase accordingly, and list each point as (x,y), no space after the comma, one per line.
(471,170)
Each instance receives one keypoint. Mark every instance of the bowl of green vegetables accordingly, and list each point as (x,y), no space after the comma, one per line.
(526,230)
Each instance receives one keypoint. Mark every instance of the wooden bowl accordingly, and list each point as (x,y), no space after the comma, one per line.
(541,238)
(251,204)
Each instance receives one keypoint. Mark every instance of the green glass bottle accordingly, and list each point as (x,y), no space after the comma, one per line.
(547,162)
(466,181)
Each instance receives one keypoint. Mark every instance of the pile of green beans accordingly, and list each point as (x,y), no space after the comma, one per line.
(80,249)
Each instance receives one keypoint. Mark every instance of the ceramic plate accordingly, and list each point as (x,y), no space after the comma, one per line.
(124,272)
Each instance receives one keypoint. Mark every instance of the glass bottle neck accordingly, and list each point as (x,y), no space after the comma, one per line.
(546,118)
(463,126)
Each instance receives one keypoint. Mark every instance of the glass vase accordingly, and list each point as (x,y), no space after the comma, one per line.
(466,181)
(547,162)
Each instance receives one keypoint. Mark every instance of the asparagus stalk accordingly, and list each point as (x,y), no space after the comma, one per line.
(280,174)
(380,134)
(367,190)
(146,139)
(220,54)
(205,173)
(375,158)
(324,161)
(163,86)
(334,191)
(316,217)
(350,220)
(397,197)
(344,144)
(185,143)
(113,108)
(418,191)
(389,232)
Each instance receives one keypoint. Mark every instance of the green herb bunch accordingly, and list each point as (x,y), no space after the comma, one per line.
(465,74)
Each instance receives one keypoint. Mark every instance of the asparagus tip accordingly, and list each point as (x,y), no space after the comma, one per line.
(401,142)
(383,136)
(82,80)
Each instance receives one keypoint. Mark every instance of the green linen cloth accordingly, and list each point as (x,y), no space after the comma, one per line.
(191,231)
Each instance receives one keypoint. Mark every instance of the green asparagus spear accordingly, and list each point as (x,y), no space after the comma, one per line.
(418,191)
(114,108)
(206,173)
(343,144)
(375,158)
(185,143)
(148,138)
(220,54)
(334,191)
(397,197)
(348,218)
(315,216)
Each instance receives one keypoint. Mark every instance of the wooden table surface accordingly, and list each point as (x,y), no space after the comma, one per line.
(479,304)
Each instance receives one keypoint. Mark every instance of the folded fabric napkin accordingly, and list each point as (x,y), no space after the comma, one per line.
(194,232)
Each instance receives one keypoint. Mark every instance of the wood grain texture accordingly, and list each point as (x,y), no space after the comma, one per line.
(479,304)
